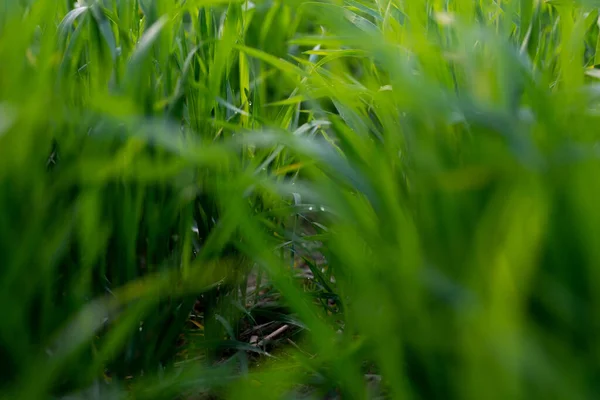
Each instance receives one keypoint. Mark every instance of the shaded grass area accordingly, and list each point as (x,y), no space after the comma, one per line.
(292,199)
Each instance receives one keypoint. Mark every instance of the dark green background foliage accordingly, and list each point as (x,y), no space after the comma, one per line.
(284,199)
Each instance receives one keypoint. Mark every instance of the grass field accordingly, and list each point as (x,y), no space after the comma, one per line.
(283,199)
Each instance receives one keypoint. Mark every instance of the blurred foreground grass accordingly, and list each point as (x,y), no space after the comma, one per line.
(293,199)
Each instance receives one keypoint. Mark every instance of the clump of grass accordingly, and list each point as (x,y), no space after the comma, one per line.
(324,199)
